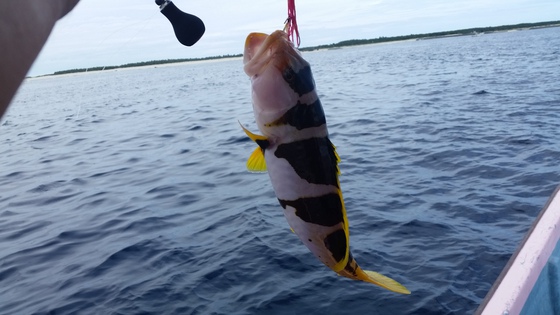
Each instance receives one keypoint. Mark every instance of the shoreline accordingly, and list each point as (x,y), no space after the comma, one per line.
(122,68)
(347,43)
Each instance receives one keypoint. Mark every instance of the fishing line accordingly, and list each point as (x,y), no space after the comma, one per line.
(290,26)
(188,28)
(118,30)
(115,51)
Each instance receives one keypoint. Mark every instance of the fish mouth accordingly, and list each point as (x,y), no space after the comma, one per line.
(262,50)
(253,42)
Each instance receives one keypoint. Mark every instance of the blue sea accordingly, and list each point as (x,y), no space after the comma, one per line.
(125,191)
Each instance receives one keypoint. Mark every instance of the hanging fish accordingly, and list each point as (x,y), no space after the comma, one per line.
(296,151)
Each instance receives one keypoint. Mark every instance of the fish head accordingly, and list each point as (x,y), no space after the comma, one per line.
(273,64)
(262,50)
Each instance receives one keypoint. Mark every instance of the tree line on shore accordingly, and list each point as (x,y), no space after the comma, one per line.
(144,63)
(462,32)
(352,42)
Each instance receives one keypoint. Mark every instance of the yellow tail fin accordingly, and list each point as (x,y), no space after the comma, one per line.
(384,282)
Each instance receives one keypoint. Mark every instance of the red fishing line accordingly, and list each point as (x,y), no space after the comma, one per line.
(291,23)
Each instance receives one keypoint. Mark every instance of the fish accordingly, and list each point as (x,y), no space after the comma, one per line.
(296,151)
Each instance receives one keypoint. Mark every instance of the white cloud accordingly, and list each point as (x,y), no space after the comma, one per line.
(103,32)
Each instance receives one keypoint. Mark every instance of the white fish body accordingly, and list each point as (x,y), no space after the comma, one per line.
(296,151)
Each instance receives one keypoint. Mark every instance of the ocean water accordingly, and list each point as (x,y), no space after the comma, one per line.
(125,192)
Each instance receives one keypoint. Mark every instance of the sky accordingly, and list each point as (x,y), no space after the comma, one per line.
(109,32)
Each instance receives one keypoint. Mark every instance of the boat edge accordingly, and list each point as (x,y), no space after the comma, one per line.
(496,286)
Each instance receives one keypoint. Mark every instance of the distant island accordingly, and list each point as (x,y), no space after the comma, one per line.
(352,42)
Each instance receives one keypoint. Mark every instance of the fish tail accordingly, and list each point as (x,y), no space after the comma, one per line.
(381,280)
(353,271)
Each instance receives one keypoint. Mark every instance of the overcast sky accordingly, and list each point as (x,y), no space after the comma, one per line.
(109,32)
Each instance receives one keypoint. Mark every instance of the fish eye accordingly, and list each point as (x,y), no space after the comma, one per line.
(289,75)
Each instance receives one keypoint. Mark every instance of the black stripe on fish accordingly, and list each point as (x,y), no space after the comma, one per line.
(351,266)
(301,82)
(336,244)
(302,116)
(313,159)
(263,144)
(324,210)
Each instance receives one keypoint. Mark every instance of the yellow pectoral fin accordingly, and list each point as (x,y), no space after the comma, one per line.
(385,282)
(256,162)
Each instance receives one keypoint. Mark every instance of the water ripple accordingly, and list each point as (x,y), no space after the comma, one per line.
(137,201)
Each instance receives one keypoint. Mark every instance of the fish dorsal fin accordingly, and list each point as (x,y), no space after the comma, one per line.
(337,158)
(256,162)
(385,282)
